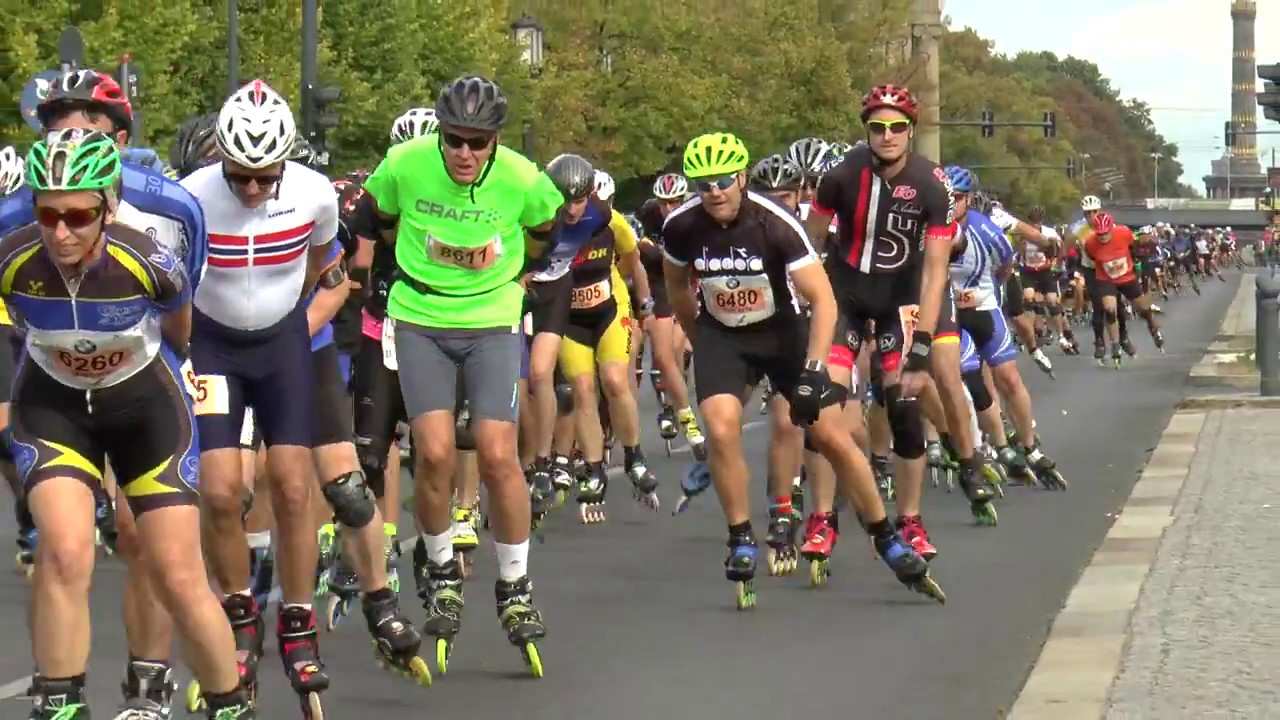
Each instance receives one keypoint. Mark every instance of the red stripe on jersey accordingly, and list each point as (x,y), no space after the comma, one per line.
(858,233)
(941,232)
(259,260)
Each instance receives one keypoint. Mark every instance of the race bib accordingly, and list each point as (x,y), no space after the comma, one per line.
(465,258)
(389,345)
(964,299)
(738,300)
(91,360)
(1116,268)
(909,318)
(209,393)
(585,298)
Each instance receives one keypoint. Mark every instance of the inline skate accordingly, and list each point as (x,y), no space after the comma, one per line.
(521,621)
(740,567)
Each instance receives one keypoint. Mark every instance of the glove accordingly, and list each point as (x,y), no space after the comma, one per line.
(810,390)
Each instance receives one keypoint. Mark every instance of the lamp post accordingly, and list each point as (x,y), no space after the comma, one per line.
(528,34)
(1155,173)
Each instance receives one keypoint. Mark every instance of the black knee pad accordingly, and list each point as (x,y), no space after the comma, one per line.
(977,389)
(905,424)
(1110,316)
(351,500)
(564,398)
(1055,309)
(373,464)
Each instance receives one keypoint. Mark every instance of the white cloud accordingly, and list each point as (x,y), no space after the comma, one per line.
(1175,55)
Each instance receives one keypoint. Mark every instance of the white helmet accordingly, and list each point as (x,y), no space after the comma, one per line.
(256,127)
(670,186)
(1090,203)
(12,170)
(604,186)
(414,123)
(808,153)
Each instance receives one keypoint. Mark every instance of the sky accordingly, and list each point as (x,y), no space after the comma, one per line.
(1174,55)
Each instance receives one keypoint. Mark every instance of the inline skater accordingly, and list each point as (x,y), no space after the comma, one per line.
(748,254)
(1110,248)
(106,389)
(809,154)
(889,267)
(161,208)
(457,205)
(1040,281)
(270,243)
(1080,231)
(598,335)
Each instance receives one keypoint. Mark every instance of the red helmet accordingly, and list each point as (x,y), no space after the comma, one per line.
(87,88)
(893,97)
(1103,223)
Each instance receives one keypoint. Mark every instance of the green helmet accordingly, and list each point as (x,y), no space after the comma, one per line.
(715,154)
(74,159)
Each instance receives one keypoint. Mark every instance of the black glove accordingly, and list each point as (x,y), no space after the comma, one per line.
(918,353)
(811,389)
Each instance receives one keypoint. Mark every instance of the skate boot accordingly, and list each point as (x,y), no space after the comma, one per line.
(820,536)
(1042,361)
(1115,356)
(740,566)
(695,481)
(911,528)
(465,536)
(1015,465)
(668,427)
(781,539)
(1044,468)
(644,485)
(1067,343)
(248,628)
(882,468)
(561,477)
(1157,337)
(148,691)
(443,602)
(59,699)
(344,589)
(300,655)
(942,467)
(591,492)
(521,620)
(1100,353)
(979,497)
(231,706)
(395,640)
(693,434)
(26,557)
(1126,343)
(910,569)
(542,493)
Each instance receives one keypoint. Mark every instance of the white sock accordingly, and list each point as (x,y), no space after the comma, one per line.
(259,539)
(513,560)
(439,547)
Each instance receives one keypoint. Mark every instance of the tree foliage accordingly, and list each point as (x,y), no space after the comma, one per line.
(625,83)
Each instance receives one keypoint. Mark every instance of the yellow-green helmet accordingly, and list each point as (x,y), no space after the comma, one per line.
(715,154)
(74,159)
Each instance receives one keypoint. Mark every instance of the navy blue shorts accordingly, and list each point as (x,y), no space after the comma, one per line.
(269,370)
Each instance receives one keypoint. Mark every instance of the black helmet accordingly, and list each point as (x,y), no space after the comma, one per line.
(776,173)
(981,202)
(472,102)
(573,175)
(195,140)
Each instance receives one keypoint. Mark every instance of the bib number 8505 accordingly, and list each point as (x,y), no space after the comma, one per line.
(93,365)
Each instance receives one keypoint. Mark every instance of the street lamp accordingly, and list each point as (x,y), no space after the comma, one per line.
(528,35)
(1155,173)
(1084,169)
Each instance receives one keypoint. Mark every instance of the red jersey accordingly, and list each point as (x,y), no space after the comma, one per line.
(1113,260)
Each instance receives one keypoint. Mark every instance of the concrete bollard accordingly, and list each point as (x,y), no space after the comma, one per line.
(1267,335)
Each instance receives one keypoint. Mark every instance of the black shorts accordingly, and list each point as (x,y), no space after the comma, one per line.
(379,406)
(1131,290)
(728,362)
(144,425)
(8,362)
(270,370)
(551,304)
(880,306)
(1013,306)
(333,419)
(1042,282)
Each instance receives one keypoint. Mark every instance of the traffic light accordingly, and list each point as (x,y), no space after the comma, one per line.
(1269,99)
(1071,168)
(321,100)
(988,124)
(1228,134)
(1050,125)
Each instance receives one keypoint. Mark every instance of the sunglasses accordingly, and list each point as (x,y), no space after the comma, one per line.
(456,142)
(890,127)
(75,218)
(243,180)
(723,182)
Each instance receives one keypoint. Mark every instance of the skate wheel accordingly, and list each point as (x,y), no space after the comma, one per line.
(1054,479)
(419,671)
(1028,478)
(311,708)
(195,701)
(774,560)
(532,659)
(443,649)
(562,497)
(28,571)
(818,573)
(745,594)
(986,516)
(334,609)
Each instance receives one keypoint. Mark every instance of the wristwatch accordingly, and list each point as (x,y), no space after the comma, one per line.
(646,305)
(815,366)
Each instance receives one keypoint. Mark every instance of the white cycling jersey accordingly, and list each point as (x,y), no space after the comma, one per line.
(1003,219)
(258,257)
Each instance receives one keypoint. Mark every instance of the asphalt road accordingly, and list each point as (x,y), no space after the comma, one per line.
(642,622)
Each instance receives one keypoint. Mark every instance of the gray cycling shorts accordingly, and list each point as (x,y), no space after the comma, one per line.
(430,360)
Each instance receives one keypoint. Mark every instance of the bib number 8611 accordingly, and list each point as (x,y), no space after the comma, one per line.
(94,365)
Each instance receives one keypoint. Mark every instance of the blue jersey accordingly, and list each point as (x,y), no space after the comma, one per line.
(148,192)
(973,269)
(595,219)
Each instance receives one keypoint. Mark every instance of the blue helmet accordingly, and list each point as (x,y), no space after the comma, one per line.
(961,179)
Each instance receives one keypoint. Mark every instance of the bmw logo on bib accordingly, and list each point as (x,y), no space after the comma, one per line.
(84,347)
(732,283)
